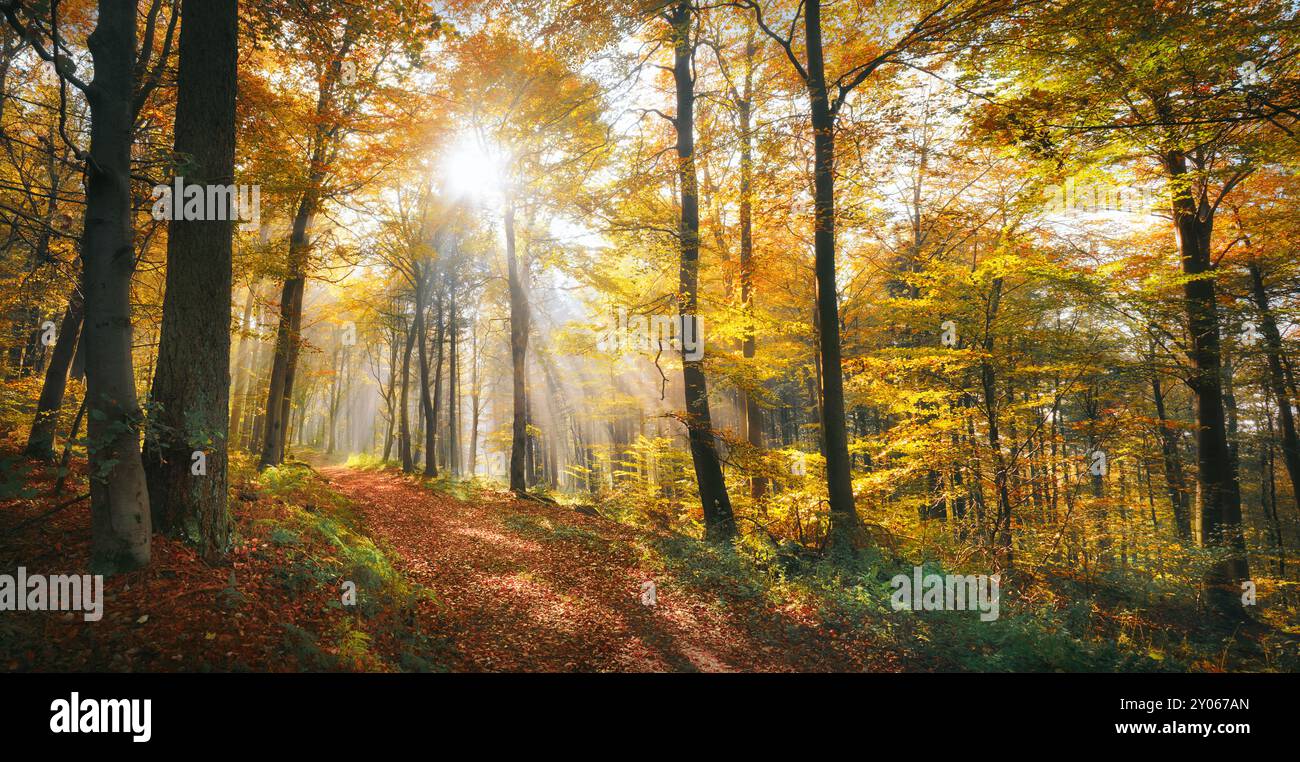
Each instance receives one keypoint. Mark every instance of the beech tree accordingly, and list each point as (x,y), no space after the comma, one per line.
(118,491)
(719,522)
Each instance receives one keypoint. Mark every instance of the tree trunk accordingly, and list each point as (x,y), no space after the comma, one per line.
(845,525)
(475,395)
(519,319)
(423,281)
(241,369)
(435,408)
(390,394)
(751,412)
(191,385)
(988,381)
(719,522)
(337,364)
(288,338)
(40,442)
(119,496)
(1276,379)
(404,406)
(1220,506)
(1174,479)
(453,392)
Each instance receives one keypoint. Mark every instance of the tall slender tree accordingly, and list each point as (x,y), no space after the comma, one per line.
(719,521)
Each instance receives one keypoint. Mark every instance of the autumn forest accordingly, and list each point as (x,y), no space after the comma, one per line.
(649,335)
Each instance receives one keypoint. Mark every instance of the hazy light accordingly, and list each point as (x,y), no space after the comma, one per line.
(473,168)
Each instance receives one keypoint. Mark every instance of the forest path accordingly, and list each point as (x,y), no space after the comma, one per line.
(522,586)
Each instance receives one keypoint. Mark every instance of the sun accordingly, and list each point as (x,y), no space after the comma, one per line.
(473,168)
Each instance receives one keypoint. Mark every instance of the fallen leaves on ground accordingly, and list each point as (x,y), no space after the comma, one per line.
(526,586)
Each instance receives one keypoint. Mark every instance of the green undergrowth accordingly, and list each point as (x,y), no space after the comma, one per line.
(1042,626)
(363,612)
(367,462)
(854,595)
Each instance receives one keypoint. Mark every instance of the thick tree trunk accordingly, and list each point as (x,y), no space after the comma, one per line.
(1220,506)
(119,496)
(191,385)
(719,522)
(845,525)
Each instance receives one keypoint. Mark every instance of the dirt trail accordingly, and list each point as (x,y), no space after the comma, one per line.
(528,587)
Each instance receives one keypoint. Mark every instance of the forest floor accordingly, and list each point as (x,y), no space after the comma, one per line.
(489,583)
(462,576)
(527,586)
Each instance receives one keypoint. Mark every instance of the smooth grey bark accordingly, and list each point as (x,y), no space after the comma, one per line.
(119,495)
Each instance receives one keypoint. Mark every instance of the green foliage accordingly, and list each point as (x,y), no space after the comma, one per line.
(367,462)
(285,480)
(855,596)
(325,546)
(15,478)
